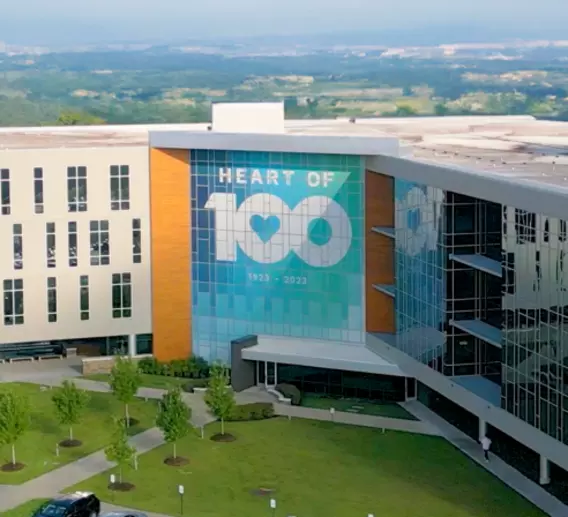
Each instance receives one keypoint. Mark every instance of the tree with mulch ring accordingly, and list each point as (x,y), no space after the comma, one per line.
(220,400)
(15,413)
(122,453)
(121,486)
(70,403)
(173,420)
(125,381)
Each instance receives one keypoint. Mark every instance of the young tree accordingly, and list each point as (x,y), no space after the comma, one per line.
(70,402)
(14,419)
(119,450)
(173,417)
(125,380)
(219,398)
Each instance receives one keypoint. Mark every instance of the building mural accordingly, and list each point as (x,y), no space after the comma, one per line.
(277,247)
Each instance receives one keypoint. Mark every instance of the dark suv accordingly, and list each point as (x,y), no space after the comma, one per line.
(79,504)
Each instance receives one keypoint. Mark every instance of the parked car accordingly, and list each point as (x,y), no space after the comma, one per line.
(124,514)
(78,504)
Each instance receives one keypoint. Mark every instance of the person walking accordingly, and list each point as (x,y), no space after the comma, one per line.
(486,445)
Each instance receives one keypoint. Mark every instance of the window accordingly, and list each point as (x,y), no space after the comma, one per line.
(84,297)
(13,302)
(72,244)
(18,246)
(52,299)
(100,243)
(525,226)
(50,244)
(5,190)
(119,187)
(77,189)
(121,295)
(136,241)
(38,190)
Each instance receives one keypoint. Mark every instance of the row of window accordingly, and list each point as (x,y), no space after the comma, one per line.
(77,192)
(99,234)
(14,298)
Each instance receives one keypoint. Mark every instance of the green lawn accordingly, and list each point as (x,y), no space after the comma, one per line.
(36,449)
(160,382)
(24,510)
(317,469)
(356,406)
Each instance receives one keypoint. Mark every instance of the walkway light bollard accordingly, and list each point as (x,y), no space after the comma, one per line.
(111,486)
(57,450)
(181,492)
(273,506)
(136,462)
(332,413)
(202,432)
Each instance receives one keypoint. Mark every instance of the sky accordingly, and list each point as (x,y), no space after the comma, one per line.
(34,21)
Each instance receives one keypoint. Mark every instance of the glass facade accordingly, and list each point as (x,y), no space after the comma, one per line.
(419,270)
(277,247)
(535,326)
(472,227)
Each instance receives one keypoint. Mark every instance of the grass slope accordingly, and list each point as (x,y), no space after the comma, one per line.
(316,469)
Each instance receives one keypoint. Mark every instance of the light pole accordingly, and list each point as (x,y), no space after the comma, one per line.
(181,491)
(273,506)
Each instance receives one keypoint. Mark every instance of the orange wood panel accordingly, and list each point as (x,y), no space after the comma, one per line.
(379,252)
(170,214)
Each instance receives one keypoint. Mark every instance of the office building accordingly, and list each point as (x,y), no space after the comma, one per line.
(418,258)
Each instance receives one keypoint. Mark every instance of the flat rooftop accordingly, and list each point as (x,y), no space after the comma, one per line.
(516,146)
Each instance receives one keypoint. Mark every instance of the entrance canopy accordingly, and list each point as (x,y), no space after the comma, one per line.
(318,353)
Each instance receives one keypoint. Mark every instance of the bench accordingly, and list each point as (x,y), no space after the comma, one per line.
(20,358)
(31,351)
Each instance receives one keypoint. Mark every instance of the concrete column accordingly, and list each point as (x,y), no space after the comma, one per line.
(482,429)
(544,478)
(131,345)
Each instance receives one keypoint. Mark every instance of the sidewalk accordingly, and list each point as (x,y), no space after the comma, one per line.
(200,416)
(507,474)
(57,480)
(106,507)
(340,417)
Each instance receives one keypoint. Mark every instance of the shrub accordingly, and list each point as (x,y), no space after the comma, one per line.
(290,392)
(195,383)
(254,411)
(150,366)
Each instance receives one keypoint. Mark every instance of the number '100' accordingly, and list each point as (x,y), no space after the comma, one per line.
(290,232)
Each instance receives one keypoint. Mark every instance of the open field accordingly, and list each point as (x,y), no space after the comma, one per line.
(37,448)
(317,469)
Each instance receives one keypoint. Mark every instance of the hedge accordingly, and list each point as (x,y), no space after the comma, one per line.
(254,411)
(290,392)
(192,368)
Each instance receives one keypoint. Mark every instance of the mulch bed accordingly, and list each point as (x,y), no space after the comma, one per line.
(121,487)
(176,462)
(223,437)
(12,467)
(262,492)
(70,443)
